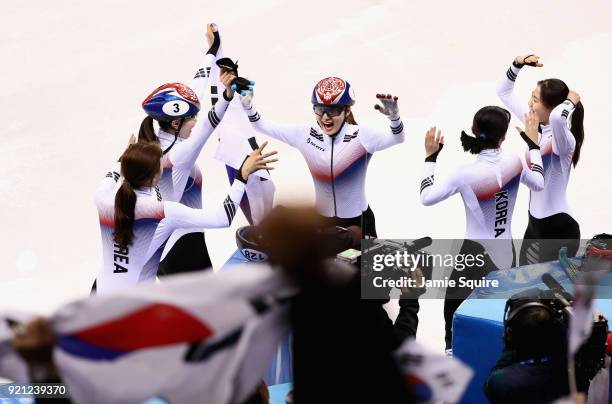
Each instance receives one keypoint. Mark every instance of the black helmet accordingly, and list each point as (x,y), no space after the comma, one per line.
(249,242)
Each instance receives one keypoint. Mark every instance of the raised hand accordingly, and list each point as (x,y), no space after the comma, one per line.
(433,142)
(246,98)
(573,97)
(530,135)
(213,38)
(389,105)
(257,161)
(227,78)
(529,60)
(210,33)
(131,141)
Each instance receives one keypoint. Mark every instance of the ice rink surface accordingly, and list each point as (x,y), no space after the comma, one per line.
(74,74)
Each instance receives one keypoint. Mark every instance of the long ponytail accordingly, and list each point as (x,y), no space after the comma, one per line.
(147,132)
(577,130)
(140,163)
(553,92)
(125,203)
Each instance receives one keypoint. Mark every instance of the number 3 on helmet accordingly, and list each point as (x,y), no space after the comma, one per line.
(171,101)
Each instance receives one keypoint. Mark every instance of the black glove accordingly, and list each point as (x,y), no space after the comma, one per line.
(239,84)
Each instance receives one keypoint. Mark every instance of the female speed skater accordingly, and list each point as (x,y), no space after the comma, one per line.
(550,216)
(489,187)
(181,144)
(337,150)
(136,222)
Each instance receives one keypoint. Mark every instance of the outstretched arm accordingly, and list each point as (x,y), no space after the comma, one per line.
(290,134)
(377,140)
(505,88)
(180,216)
(201,81)
(184,154)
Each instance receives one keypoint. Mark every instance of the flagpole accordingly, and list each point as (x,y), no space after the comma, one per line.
(571,373)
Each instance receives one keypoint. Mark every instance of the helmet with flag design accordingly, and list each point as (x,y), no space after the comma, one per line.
(171,101)
(333,91)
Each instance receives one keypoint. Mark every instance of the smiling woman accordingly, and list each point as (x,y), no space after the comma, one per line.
(337,150)
(332,99)
(550,216)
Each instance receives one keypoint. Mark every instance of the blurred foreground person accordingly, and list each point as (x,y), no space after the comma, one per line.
(344,346)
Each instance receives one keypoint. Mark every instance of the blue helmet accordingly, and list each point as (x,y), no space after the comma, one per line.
(171,101)
(333,91)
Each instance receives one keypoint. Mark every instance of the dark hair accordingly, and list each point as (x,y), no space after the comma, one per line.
(139,165)
(147,132)
(259,396)
(535,333)
(349,117)
(489,126)
(552,93)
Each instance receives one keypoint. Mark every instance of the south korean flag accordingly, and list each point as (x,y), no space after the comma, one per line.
(205,337)
(431,376)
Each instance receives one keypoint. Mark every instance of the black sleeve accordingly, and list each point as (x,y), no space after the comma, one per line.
(214,48)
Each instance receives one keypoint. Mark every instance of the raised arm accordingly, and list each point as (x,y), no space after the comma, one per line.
(374,141)
(200,81)
(183,155)
(431,192)
(505,88)
(290,134)
(564,142)
(177,215)
(532,174)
